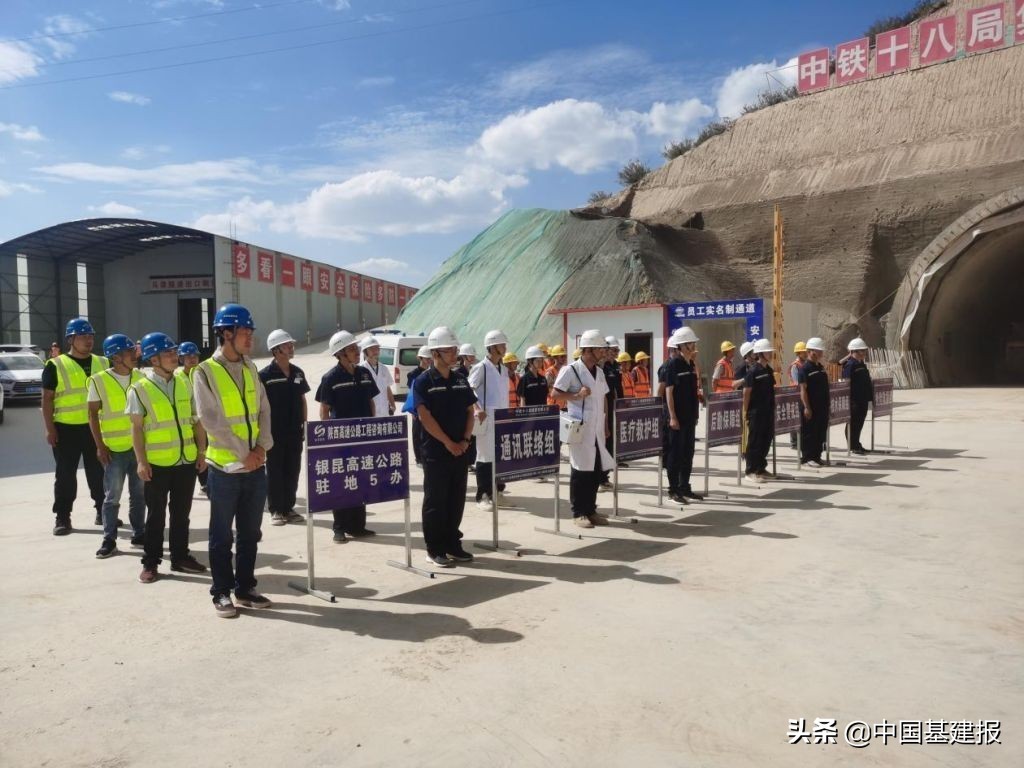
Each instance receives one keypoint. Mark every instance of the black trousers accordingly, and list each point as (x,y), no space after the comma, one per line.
(759,439)
(682,443)
(583,487)
(858,414)
(417,440)
(74,442)
(283,463)
(484,480)
(444,501)
(174,484)
(350,519)
(813,432)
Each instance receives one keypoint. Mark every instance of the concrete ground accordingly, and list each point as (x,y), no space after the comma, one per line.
(886,590)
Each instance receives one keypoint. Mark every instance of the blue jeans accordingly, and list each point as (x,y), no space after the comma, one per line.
(237,498)
(123,465)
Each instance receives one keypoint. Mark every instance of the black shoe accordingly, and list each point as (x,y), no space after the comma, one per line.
(107,548)
(440,561)
(692,495)
(678,498)
(252,599)
(362,534)
(460,556)
(224,607)
(138,541)
(339,537)
(623,465)
(188,565)
(62,528)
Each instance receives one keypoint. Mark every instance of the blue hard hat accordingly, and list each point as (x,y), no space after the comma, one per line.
(155,343)
(187,348)
(233,316)
(77,327)
(116,342)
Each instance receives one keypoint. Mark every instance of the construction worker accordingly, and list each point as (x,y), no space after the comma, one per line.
(722,377)
(671,353)
(169,446)
(66,420)
(577,354)
(746,360)
(800,350)
(423,358)
(54,350)
(554,362)
(626,369)
(445,407)
(641,374)
(511,361)
(235,412)
(467,359)
(347,391)
(682,398)
(533,384)
(188,359)
(489,382)
(112,432)
(814,396)
(384,404)
(286,386)
(862,391)
(582,387)
(759,410)
(613,378)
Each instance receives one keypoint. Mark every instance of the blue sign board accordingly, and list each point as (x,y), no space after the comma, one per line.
(638,425)
(750,310)
(356,461)
(526,442)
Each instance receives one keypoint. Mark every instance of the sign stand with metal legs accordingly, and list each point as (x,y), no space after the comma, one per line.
(661,486)
(636,434)
(881,405)
(407,565)
(310,586)
(557,530)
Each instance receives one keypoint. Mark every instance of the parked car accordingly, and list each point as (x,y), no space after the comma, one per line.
(27,348)
(398,353)
(21,375)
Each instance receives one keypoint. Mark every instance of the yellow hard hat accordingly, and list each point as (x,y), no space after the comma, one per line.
(641,355)
(556,350)
(727,345)
(543,348)
(799,347)
(624,358)
(576,354)
(510,357)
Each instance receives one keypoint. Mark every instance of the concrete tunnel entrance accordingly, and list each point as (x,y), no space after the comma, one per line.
(970,320)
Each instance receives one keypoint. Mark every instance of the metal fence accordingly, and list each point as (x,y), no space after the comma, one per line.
(906,369)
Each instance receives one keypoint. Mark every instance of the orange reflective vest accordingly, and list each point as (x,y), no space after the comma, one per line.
(724,384)
(513,396)
(628,385)
(641,381)
(553,370)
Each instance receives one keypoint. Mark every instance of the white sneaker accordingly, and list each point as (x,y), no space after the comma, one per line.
(605,487)
(583,522)
(484,505)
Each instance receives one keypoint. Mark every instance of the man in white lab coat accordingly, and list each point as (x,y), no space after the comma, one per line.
(582,387)
(384,402)
(489,380)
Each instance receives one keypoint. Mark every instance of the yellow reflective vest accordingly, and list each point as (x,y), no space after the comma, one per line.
(70,399)
(167,425)
(115,424)
(241,410)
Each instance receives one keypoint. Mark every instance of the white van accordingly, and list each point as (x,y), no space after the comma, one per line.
(398,353)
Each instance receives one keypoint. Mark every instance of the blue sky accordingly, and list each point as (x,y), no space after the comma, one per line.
(383,151)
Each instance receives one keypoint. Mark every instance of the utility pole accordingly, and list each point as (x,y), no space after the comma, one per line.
(778,338)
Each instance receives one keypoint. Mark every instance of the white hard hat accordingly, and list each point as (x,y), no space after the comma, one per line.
(495,337)
(592,340)
(762,345)
(612,341)
(442,337)
(369,341)
(684,335)
(534,352)
(856,344)
(745,348)
(816,344)
(277,338)
(339,341)
(423,351)
(467,350)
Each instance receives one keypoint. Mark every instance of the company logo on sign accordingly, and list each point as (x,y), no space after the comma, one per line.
(319,431)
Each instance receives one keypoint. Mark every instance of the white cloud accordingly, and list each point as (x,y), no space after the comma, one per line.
(66,30)
(17,62)
(115,209)
(140,151)
(376,82)
(8,188)
(570,70)
(168,176)
(678,118)
(22,132)
(127,97)
(382,267)
(581,136)
(743,85)
(376,203)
